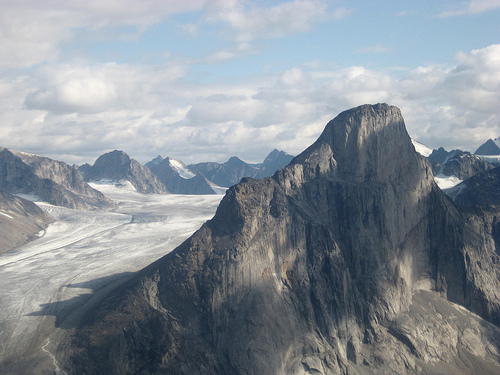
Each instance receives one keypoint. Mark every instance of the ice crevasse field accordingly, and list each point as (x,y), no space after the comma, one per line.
(83,252)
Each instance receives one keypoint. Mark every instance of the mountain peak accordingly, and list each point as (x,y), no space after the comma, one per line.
(117,165)
(369,142)
(327,267)
(489,147)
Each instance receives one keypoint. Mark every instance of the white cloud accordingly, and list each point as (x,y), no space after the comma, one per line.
(472,7)
(378,48)
(86,110)
(31,31)
(247,23)
(65,88)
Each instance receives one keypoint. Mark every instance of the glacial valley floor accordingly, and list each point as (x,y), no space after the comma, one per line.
(79,258)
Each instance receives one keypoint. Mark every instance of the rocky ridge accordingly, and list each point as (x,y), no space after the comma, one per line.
(349,260)
(461,164)
(178,184)
(52,181)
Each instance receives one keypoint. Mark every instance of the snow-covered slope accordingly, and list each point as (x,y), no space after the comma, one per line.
(421,148)
(183,171)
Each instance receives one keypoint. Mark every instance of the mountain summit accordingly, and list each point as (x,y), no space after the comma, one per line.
(348,260)
(117,165)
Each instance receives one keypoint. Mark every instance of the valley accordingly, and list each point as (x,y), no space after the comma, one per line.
(78,256)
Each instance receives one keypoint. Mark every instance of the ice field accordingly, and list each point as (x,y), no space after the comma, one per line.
(83,255)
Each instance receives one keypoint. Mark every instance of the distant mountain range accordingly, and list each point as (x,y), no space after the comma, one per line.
(167,175)
(452,167)
(41,178)
(57,183)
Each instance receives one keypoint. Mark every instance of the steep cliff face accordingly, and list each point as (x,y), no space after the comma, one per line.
(53,181)
(117,165)
(329,267)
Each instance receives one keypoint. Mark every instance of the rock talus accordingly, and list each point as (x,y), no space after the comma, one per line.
(350,260)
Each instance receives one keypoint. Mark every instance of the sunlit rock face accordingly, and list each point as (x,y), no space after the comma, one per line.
(349,260)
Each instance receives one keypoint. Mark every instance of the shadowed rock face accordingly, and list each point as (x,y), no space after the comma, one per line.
(331,266)
(488,148)
(53,181)
(117,165)
(176,184)
(20,220)
(457,163)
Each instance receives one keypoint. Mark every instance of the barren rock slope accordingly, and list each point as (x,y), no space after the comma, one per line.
(348,261)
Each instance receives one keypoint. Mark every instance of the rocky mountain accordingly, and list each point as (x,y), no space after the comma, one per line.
(461,164)
(350,260)
(52,181)
(490,147)
(274,161)
(154,162)
(20,221)
(178,179)
(481,190)
(225,174)
(117,165)
(232,171)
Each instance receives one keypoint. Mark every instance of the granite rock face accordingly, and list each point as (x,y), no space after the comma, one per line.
(53,181)
(348,261)
(117,165)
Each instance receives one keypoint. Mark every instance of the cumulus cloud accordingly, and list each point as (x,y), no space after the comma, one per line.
(64,88)
(148,111)
(61,108)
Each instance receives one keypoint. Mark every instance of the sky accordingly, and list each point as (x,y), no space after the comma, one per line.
(201,80)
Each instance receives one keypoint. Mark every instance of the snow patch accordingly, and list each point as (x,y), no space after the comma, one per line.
(455,191)
(6,214)
(421,149)
(105,184)
(446,182)
(183,171)
(493,159)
